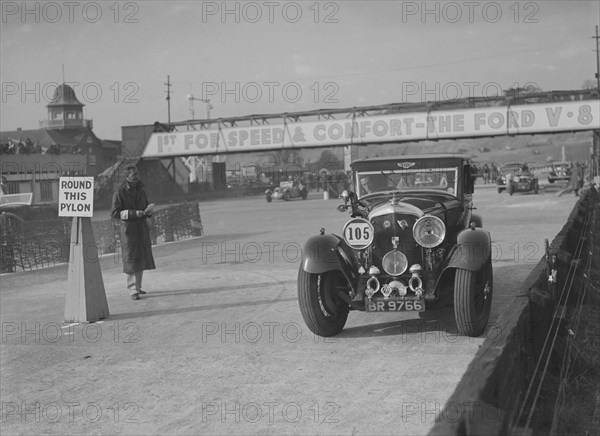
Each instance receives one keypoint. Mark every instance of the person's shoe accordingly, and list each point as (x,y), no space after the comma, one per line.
(135,296)
(141,292)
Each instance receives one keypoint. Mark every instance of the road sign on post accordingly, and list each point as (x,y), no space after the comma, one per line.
(76,196)
(86,296)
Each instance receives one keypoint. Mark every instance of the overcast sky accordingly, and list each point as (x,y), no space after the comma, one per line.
(271,56)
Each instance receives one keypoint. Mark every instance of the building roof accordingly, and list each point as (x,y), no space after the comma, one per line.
(40,136)
(46,138)
(111,143)
(64,95)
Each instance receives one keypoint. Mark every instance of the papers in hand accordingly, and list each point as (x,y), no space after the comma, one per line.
(149,209)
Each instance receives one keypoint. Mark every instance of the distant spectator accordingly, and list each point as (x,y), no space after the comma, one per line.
(576,181)
(580,176)
(486,174)
(495,172)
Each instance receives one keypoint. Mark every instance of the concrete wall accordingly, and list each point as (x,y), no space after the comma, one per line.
(488,398)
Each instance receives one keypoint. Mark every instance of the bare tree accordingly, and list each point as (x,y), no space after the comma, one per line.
(588,84)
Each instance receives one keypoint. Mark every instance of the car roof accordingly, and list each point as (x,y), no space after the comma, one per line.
(381,162)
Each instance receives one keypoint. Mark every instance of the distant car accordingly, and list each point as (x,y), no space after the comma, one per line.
(560,171)
(286,191)
(517,177)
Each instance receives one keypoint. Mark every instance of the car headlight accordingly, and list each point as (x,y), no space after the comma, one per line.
(394,263)
(429,231)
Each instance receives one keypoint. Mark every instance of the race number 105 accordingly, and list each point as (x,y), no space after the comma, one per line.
(358,233)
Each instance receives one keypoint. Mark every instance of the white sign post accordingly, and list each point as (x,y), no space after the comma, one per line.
(86,297)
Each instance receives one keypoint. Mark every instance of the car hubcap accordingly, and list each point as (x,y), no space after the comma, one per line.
(486,290)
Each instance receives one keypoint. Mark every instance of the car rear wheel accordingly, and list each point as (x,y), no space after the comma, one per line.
(303,194)
(269,198)
(287,196)
(473,299)
(510,189)
(536,188)
(324,312)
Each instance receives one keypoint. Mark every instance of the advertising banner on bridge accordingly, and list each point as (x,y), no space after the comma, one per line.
(416,126)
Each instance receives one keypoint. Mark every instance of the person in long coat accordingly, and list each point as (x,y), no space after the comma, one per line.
(575,178)
(130,205)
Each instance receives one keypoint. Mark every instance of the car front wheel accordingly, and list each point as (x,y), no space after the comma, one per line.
(473,299)
(287,196)
(324,312)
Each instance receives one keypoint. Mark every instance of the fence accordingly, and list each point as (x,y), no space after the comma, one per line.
(37,243)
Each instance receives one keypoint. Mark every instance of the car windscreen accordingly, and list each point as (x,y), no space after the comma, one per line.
(514,168)
(439,179)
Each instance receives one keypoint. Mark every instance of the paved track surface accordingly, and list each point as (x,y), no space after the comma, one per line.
(218,345)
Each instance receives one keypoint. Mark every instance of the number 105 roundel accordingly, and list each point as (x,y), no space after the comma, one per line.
(358,233)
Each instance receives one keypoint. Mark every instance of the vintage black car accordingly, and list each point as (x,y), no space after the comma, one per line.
(412,241)
(287,190)
(517,177)
(560,172)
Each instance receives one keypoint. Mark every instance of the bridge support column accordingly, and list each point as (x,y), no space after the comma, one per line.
(193,164)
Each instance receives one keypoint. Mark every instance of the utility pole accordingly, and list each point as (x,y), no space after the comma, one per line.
(597,38)
(208,108)
(595,167)
(191,98)
(168,98)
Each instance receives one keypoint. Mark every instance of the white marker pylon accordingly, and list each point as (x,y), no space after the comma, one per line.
(86,297)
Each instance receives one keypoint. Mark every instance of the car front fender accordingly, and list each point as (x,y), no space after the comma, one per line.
(473,250)
(324,253)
